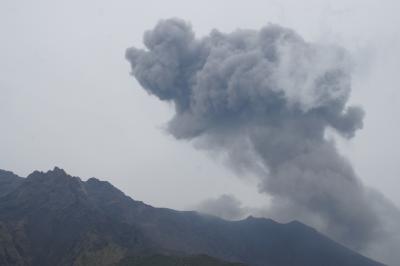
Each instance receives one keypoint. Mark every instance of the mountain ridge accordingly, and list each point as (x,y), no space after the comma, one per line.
(97,223)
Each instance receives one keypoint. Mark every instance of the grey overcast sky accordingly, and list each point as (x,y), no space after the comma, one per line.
(67,99)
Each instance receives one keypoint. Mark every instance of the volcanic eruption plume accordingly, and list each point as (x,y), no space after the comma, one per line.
(266,99)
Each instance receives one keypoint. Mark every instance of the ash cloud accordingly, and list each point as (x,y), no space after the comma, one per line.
(225,206)
(266,98)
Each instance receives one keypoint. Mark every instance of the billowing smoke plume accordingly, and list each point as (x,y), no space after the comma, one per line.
(226,206)
(265,99)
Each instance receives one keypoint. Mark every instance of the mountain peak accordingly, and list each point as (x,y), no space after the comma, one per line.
(252,218)
(4,173)
(58,171)
(57,174)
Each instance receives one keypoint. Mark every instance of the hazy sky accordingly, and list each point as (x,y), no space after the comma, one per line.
(67,99)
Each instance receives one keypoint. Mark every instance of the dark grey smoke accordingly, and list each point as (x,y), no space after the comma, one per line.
(266,99)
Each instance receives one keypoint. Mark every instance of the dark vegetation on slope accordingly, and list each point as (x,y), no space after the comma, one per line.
(164,260)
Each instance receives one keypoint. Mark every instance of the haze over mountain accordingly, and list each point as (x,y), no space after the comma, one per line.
(53,218)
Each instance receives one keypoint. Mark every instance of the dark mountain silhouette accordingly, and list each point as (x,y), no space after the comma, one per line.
(8,182)
(53,218)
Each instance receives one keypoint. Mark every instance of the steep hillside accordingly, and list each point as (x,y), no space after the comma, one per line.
(8,182)
(55,219)
(163,260)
